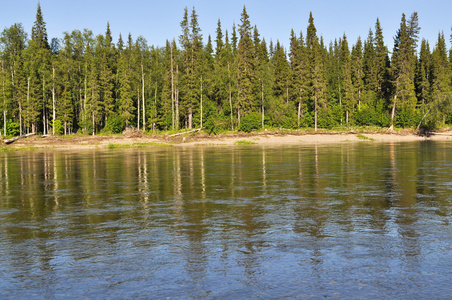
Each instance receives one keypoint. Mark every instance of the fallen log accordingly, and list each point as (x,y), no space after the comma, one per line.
(10,141)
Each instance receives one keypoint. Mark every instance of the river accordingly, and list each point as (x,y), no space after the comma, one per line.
(350,220)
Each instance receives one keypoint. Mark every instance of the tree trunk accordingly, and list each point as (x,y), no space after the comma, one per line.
(53,100)
(4,98)
(142,97)
(172,91)
(92,115)
(359,100)
(20,118)
(138,108)
(84,100)
(230,98)
(28,94)
(44,107)
(177,102)
(393,113)
(263,109)
(299,113)
(4,122)
(201,103)
(190,118)
(315,113)
(155,108)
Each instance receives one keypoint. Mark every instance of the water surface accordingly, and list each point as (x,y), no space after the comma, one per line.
(361,220)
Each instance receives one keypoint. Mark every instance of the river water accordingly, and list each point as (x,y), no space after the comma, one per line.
(352,220)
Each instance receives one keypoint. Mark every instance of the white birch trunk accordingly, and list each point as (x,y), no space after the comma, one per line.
(53,101)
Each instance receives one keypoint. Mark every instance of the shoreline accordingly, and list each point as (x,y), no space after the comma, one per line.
(138,139)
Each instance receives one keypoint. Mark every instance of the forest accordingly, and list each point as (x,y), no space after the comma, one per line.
(87,84)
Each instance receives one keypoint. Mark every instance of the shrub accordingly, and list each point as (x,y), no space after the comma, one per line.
(12,128)
(115,124)
(250,122)
(211,126)
(58,127)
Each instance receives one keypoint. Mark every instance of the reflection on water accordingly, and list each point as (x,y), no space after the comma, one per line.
(354,220)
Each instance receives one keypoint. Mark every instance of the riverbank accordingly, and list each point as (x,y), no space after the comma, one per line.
(268,138)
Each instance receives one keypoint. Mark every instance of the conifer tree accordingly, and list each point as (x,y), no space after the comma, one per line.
(167,94)
(298,66)
(245,68)
(263,78)
(370,71)
(357,72)
(381,63)
(404,63)
(423,75)
(349,99)
(93,105)
(126,106)
(141,59)
(316,70)
(229,62)
(38,67)
(441,83)
(191,42)
(280,110)
(13,42)
(39,31)
(207,82)
(219,89)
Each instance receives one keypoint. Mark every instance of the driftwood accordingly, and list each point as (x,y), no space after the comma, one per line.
(180,133)
(10,141)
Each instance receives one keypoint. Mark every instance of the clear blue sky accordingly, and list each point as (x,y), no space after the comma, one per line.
(159,20)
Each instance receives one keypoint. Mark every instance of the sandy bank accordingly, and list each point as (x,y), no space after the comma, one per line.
(202,139)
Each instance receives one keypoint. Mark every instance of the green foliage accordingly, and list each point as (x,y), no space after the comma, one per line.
(96,84)
(244,142)
(216,124)
(115,124)
(250,122)
(364,137)
(366,117)
(12,128)
(58,127)
(407,118)
(86,127)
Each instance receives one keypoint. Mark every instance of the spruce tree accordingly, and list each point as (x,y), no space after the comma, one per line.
(316,70)
(404,64)
(126,106)
(441,83)
(39,31)
(13,42)
(38,75)
(191,42)
(423,75)
(370,71)
(298,66)
(349,100)
(381,63)
(357,72)
(245,68)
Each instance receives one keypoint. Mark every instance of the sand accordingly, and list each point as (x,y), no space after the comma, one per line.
(137,139)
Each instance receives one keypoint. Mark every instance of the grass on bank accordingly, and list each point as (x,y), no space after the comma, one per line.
(365,138)
(135,145)
(244,142)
